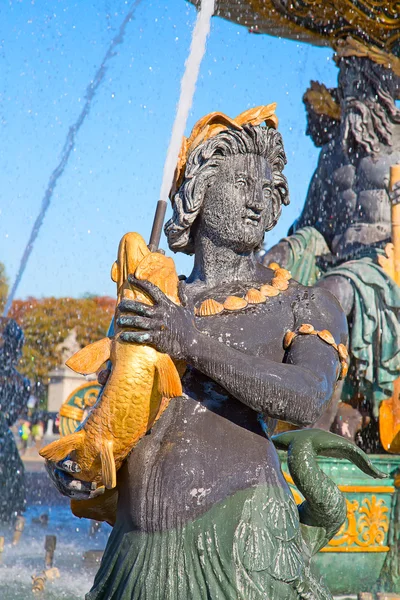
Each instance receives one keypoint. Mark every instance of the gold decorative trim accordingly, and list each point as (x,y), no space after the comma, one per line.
(367,521)
(353,47)
(70,412)
(212,124)
(279,283)
(71,415)
(321,101)
(353,489)
(379,489)
(356,549)
(326,336)
(372,22)
(368,531)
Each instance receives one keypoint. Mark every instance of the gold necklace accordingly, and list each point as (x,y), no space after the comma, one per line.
(279,283)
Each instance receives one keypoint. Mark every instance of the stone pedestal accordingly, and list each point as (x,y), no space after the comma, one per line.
(63,381)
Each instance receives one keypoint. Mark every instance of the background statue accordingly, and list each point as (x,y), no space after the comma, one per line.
(323,113)
(14,395)
(346,222)
(203,508)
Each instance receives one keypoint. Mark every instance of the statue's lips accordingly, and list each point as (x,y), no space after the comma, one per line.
(252,218)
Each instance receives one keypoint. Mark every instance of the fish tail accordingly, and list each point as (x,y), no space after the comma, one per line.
(169,380)
(108,469)
(60,449)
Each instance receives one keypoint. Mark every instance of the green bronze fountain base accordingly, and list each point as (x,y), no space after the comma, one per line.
(362,556)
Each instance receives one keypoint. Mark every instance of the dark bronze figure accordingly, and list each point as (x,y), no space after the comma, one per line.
(14,395)
(203,508)
(346,223)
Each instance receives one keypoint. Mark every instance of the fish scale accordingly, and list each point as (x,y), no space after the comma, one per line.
(140,381)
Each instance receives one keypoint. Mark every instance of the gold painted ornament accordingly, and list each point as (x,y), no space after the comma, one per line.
(307,328)
(141,382)
(280,284)
(209,307)
(283,273)
(274,266)
(269,291)
(235,303)
(210,125)
(254,296)
(324,335)
(288,339)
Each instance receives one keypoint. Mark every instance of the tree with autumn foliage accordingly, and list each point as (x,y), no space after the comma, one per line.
(47,322)
(3,286)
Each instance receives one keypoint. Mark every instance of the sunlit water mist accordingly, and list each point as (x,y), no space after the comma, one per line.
(19,563)
(188,86)
(67,149)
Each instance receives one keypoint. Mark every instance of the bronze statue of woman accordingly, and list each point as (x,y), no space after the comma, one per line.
(204,511)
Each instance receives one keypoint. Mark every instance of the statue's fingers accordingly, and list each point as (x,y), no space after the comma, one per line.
(132,306)
(136,337)
(135,322)
(148,288)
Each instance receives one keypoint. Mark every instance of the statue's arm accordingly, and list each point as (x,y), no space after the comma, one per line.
(296,390)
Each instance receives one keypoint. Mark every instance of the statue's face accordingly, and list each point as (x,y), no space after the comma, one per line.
(320,128)
(352,83)
(238,205)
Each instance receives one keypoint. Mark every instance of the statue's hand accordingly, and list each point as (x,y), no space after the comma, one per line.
(394,195)
(166,326)
(62,475)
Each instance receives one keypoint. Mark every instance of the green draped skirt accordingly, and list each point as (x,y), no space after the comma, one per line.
(247,547)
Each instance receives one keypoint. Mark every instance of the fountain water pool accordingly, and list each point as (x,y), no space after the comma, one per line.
(18,563)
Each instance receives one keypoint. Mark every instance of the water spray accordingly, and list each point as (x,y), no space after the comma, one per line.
(49,546)
(69,144)
(188,86)
(49,573)
(19,527)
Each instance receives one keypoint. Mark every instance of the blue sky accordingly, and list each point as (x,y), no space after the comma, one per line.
(49,52)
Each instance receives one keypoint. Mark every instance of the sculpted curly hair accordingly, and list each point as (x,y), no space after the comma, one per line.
(203,163)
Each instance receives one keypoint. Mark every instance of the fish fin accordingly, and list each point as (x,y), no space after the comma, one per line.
(60,449)
(163,405)
(91,357)
(169,380)
(108,470)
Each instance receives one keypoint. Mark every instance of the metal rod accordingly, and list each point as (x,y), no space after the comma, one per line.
(158,222)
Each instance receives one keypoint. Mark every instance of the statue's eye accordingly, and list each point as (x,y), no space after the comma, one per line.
(267,191)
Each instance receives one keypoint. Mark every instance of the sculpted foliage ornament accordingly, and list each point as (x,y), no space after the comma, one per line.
(374,23)
(366,526)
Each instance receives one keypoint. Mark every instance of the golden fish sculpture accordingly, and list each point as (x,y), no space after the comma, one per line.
(141,382)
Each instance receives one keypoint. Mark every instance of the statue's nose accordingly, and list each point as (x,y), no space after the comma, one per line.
(256,199)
